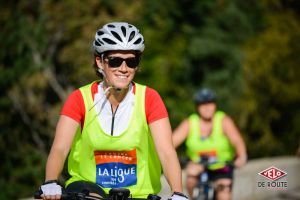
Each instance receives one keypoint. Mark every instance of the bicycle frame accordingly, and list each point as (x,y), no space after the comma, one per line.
(204,189)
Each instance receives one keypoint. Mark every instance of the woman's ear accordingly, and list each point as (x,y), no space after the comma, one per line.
(99,65)
(98,61)
(138,69)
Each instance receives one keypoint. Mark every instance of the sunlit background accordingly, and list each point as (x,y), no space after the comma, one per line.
(247,51)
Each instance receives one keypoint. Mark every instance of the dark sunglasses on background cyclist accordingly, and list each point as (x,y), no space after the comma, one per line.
(115,62)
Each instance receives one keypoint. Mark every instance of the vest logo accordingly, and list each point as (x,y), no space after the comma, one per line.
(272,173)
(210,155)
(115,169)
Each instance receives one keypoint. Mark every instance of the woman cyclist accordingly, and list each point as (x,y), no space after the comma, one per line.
(210,133)
(116,132)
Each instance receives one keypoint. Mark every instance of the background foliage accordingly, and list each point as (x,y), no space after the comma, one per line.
(245,50)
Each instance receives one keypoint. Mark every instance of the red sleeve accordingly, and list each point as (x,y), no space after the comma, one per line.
(155,107)
(74,105)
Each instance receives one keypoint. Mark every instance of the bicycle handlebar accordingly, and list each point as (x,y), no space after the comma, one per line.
(68,196)
(205,161)
(116,195)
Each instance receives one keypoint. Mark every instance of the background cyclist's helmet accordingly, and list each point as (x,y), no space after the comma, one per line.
(204,96)
(118,36)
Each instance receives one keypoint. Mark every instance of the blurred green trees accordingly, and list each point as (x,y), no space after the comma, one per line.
(271,75)
(245,50)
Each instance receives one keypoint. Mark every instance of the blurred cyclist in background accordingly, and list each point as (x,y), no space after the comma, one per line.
(212,133)
(115,132)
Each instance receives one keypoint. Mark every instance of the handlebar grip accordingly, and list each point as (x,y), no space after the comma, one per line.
(37,194)
(153,197)
(230,164)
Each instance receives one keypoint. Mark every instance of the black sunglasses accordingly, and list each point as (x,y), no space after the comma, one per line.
(115,62)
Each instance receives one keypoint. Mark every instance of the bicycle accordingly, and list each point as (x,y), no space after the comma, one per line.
(114,194)
(205,189)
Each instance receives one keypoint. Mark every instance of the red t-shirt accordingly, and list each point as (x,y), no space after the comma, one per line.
(154,106)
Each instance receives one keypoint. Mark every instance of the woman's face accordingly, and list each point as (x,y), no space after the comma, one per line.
(121,75)
(207,110)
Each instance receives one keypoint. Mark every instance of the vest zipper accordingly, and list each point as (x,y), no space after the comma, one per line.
(113,119)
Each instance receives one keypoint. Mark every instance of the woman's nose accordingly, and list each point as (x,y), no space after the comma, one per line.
(123,66)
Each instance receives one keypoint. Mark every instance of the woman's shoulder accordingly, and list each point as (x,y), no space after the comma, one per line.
(91,87)
(150,92)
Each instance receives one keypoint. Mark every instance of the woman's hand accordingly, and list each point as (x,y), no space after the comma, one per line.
(51,190)
(240,161)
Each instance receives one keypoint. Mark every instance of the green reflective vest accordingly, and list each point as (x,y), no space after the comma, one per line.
(216,144)
(129,160)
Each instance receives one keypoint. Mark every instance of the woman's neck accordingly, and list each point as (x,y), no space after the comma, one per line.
(116,96)
(206,120)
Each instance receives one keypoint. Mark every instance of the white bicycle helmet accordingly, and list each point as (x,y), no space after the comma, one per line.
(118,36)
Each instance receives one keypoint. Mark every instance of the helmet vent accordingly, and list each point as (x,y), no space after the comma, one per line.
(97,43)
(101,42)
(100,33)
(116,35)
(111,26)
(138,41)
(109,41)
(132,34)
(123,30)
